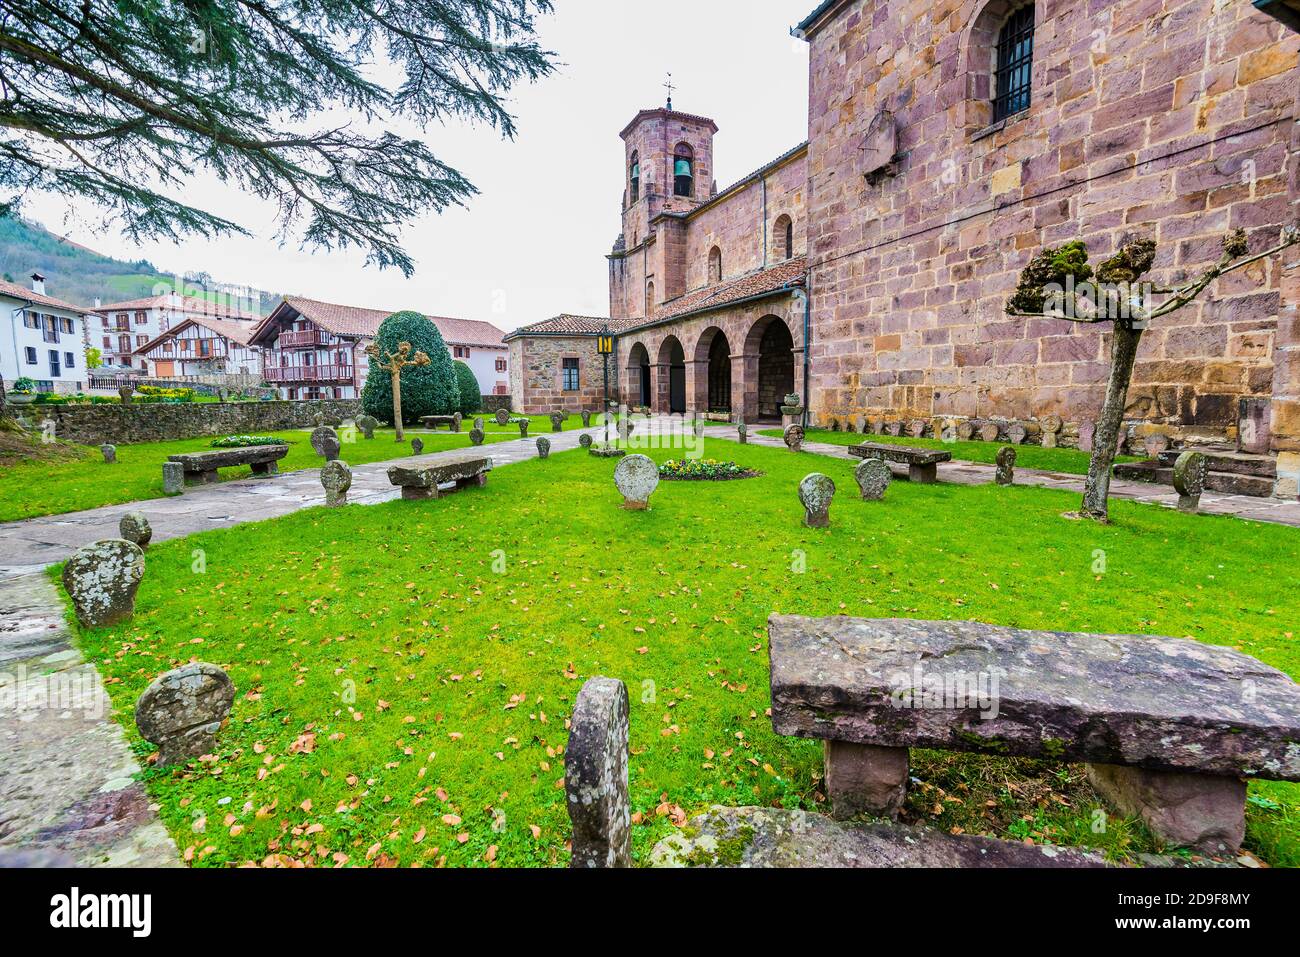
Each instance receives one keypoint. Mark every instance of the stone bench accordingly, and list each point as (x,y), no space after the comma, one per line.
(1169,727)
(922,464)
(201,467)
(596,794)
(433,422)
(432,481)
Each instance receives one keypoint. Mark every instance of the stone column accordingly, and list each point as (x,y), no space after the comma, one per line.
(1205,812)
(662,386)
(865,779)
(744,385)
(800,383)
(633,386)
(697,385)
(1286,351)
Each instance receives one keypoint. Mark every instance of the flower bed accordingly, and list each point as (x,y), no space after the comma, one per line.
(704,470)
(246,441)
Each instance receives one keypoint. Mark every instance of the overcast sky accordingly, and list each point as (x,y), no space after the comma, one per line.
(533,243)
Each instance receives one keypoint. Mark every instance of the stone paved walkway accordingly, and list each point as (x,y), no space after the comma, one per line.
(69,788)
(35,543)
(1276,511)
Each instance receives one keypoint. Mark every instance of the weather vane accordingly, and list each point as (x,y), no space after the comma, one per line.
(669,87)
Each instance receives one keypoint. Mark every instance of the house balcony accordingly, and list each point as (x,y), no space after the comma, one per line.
(299,340)
(292,375)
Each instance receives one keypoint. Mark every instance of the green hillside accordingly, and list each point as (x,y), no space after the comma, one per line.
(80,275)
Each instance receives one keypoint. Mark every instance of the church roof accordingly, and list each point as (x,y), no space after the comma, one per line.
(661,111)
(762,282)
(822,9)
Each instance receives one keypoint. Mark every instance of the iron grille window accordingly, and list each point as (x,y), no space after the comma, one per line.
(1013,78)
(570,370)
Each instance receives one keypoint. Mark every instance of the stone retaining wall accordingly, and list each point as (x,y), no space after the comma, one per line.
(159,422)
(491,403)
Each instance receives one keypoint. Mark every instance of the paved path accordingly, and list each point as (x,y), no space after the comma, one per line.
(1274,510)
(70,792)
(35,543)
(69,784)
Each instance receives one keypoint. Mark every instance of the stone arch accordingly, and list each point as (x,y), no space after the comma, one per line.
(713,371)
(783,237)
(715,265)
(978,57)
(683,171)
(639,383)
(670,379)
(770,347)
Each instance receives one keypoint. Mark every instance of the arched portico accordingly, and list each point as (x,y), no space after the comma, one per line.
(670,377)
(639,386)
(712,367)
(769,367)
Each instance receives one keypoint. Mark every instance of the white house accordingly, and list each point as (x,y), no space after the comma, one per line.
(481,346)
(45,340)
(126,328)
(314,350)
(203,346)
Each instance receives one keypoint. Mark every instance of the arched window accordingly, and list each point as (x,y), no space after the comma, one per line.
(649,299)
(715,265)
(1014,63)
(636,176)
(683,171)
(783,232)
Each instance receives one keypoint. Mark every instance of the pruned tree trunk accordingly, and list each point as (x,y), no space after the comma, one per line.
(1123,352)
(397,406)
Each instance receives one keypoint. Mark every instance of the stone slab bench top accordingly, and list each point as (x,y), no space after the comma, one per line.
(904,454)
(223,458)
(1169,704)
(429,476)
(773,837)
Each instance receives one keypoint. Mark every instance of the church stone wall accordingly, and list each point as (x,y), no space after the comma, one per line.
(1169,119)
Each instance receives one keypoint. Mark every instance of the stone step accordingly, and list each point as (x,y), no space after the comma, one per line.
(1232,483)
(774,837)
(1238,463)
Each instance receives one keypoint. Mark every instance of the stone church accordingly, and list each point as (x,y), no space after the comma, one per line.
(867,268)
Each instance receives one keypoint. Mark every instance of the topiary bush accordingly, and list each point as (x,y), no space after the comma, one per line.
(470,399)
(426,390)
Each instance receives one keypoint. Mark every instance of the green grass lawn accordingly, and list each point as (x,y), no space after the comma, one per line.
(1068,461)
(39,487)
(405,671)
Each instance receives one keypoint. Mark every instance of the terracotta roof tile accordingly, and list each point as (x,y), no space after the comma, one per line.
(363,323)
(237,332)
(770,280)
(14,291)
(190,305)
(567,324)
